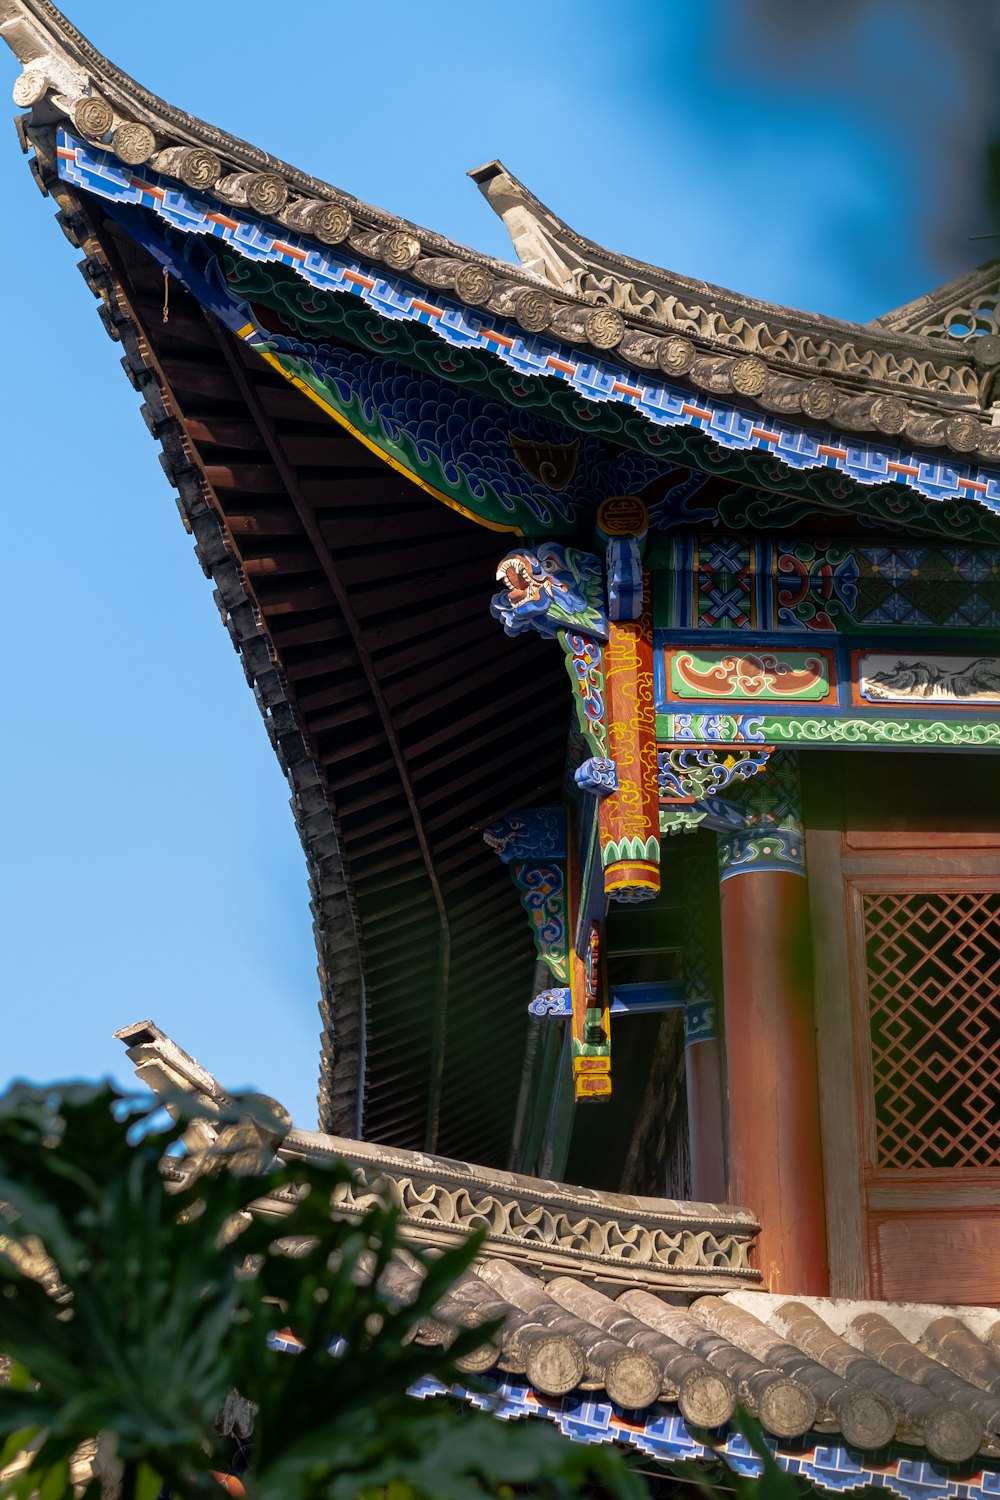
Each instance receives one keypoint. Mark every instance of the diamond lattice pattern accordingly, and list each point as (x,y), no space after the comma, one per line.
(933,978)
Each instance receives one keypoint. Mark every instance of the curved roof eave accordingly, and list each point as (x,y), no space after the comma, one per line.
(886,377)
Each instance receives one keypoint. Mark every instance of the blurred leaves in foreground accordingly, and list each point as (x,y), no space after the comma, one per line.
(137,1293)
(140,1297)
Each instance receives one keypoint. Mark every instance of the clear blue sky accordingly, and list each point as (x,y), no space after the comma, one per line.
(819,155)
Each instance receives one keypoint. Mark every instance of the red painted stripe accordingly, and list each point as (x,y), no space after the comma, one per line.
(289,250)
(696,411)
(828,452)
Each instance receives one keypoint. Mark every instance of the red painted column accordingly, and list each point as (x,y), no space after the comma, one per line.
(775,1155)
(703,1063)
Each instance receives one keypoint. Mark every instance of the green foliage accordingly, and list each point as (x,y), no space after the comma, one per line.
(155,1300)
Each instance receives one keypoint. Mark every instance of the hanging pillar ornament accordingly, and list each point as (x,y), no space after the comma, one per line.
(591,1022)
(629,822)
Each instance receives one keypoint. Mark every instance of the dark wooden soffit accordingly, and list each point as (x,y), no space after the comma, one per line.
(905,373)
(403,715)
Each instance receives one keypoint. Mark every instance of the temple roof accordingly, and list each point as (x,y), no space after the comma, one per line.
(640,1320)
(915,373)
(358,602)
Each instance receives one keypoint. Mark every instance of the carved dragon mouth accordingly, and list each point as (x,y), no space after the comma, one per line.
(514,572)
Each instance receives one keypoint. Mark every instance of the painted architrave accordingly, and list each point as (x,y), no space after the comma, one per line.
(629,817)
(734,583)
(758,675)
(880,732)
(920,679)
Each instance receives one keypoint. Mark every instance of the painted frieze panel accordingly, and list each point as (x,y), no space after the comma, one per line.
(946,681)
(807,585)
(785,675)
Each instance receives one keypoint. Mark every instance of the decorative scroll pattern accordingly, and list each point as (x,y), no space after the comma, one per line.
(785,445)
(772,836)
(661,1434)
(597,776)
(690,774)
(763,676)
(551,1003)
(932,964)
(585,665)
(543,896)
(773,583)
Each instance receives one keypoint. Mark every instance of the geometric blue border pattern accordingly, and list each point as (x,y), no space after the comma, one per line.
(661,1433)
(662,404)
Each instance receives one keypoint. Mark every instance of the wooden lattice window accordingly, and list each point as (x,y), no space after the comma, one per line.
(933,985)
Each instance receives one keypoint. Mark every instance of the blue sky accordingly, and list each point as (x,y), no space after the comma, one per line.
(823,156)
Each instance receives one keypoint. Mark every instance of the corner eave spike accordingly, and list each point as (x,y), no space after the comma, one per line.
(540,239)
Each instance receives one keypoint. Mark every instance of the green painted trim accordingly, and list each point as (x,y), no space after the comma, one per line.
(633,848)
(917,734)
